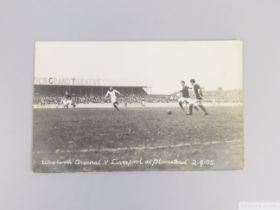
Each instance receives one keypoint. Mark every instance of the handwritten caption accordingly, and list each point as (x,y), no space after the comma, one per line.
(130,163)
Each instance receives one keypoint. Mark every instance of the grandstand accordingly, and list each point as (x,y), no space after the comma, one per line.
(57,86)
(91,91)
(51,90)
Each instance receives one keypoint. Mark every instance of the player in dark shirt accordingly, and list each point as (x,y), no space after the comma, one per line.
(185,92)
(198,97)
(185,95)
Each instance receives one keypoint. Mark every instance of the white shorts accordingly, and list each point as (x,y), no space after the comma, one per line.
(185,100)
(113,100)
(67,102)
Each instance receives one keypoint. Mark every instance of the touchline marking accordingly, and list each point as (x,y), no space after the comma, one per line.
(138,148)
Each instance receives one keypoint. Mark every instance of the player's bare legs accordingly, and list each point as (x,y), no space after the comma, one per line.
(190,109)
(115,105)
(181,105)
(203,109)
(200,106)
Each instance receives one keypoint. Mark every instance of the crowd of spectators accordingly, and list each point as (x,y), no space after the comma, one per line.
(43,100)
(210,97)
(229,96)
(86,99)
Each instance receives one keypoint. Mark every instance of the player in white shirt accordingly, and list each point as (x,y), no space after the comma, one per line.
(67,100)
(113,97)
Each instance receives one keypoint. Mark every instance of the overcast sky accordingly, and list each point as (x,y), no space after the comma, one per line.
(161,64)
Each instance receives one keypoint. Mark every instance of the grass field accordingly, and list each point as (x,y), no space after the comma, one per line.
(136,139)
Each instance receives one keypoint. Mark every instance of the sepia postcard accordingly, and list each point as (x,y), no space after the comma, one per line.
(137,106)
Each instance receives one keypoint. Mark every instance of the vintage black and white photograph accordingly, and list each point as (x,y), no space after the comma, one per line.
(137,106)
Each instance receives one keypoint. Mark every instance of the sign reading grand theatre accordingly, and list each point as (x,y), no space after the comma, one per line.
(85,82)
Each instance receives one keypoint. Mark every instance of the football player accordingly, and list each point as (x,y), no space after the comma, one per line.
(113,97)
(198,97)
(67,101)
(185,96)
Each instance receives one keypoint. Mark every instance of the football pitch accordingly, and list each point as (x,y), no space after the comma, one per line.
(102,139)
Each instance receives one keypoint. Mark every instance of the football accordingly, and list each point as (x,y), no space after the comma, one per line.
(169,111)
